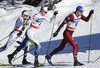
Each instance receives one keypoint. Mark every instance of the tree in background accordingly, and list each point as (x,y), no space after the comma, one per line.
(51,3)
(1,0)
(32,2)
(12,2)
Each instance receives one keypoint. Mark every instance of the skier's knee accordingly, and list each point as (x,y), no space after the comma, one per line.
(76,47)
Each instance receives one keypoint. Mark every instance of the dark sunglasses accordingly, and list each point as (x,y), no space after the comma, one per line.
(26,15)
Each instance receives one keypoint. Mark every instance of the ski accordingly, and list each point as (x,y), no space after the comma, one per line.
(60,64)
(1,64)
(54,65)
(50,63)
(38,66)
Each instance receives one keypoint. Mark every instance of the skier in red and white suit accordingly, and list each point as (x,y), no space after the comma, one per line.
(71,21)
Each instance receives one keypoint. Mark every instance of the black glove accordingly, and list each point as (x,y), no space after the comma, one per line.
(55,34)
(19,34)
(29,17)
(91,12)
(55,13)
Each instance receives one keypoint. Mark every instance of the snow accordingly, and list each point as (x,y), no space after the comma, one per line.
(81,35)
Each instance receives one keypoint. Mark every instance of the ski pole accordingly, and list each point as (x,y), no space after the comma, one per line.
(90,40)
(97,59)
(4,38)
(50,38)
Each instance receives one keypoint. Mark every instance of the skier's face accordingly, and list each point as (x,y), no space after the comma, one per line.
(43,13)
(25,17)
(78,13)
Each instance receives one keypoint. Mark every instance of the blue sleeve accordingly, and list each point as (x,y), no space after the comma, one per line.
(23,29)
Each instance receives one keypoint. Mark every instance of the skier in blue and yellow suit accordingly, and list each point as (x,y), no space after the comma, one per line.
(17,34)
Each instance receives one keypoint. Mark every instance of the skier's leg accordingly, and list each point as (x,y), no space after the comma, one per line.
(72,42)
(61,47)
(9,42)
(10,56)
(75,47)
(34,41)
(26,50)
(21,46)
(37,50)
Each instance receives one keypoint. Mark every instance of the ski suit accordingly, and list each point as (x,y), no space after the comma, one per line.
(36,19)
(71,21)
(20,25)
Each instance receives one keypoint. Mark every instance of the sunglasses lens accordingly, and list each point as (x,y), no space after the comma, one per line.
(26,15)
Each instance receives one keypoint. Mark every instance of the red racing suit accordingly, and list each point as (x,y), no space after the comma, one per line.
(71,21)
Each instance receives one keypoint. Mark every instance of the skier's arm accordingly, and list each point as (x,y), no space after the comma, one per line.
(52,18)
(49,19)
(63,23)
(88,17)
(69,18)
(24,26)
(56,33)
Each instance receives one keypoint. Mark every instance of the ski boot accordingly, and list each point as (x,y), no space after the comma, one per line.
(2,48)
(10,57)
(26,62)
(37,64)
(49,59)
(76,63)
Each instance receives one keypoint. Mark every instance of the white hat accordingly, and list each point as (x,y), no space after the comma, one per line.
(25,13)
(44,8)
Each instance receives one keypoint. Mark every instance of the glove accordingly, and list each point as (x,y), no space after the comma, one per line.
(19,34)
(91,12)
(55,13)
(29,17)
(55,34)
